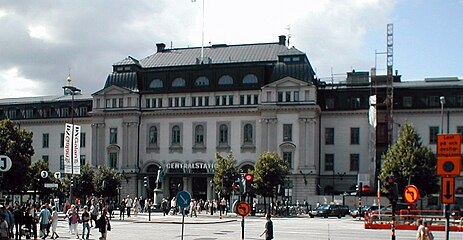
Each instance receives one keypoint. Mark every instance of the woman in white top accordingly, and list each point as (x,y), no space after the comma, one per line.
(54,222)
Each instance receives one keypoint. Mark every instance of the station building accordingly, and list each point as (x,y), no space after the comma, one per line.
(165,116)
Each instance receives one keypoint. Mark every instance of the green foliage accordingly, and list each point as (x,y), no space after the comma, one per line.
(226,173)
(106,181)
(84,182)
(16,143)
(269,172)
(407,160)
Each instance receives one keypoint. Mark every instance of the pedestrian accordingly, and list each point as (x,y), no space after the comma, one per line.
(44,220)
(164,207)
(19,220)
(421,231)
(268,231)
(128,205)
(142,204)
(428,233)
(104,225)
(136,207)
(93,213)
(3,227)
(122,210)
(54,222)
(85,223)
(74,220)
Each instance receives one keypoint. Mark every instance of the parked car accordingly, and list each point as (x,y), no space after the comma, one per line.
(365,208)
(329,210)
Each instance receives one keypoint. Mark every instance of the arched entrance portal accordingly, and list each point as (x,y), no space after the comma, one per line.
(199,186)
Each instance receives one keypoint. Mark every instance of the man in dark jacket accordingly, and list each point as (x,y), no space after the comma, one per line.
(19,220)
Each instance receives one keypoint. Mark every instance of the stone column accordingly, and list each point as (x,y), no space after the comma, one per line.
(98,146)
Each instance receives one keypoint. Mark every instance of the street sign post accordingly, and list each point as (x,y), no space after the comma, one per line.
(411,194)
(5,163)
(448,154)
(448,190)
(183,200)
(243,209)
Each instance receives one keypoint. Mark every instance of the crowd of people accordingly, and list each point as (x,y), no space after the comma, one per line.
(34,221)
(196,207)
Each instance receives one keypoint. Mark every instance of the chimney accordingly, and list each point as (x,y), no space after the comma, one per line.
(160,46)
(282,40)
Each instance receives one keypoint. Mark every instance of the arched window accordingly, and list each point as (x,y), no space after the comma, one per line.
(156,83)
(179,82)
(175,135)
(202,81)
(153,135)
(199,134)
(248,134)
(250,79)
(223,134)
(226,80)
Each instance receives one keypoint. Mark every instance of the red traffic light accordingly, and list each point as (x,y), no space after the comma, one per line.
(390,180)
(248,177)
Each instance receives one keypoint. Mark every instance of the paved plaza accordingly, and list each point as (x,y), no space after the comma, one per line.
(207,227)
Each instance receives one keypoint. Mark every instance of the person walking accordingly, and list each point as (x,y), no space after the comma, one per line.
(268,231)
(122,210)
(85,223)
(104,225)
(74,220)
(128,205)
(421,231)
(19,220)
(44,220)
(54,222)
(93,213)
(3,227)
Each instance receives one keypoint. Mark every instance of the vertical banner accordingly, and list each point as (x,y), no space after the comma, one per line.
(76,149)
(72,148)
(67,148)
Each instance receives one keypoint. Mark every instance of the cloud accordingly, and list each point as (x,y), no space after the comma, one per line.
(15,84)
(44,39)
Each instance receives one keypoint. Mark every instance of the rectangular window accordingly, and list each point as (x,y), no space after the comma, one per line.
(407,102)
(287,96)
(287,132)
(433,101)
(193,101)
(307,95)
(241,99)
(182,102)
(108,103)
(206,101)
(249,99)
(288,158)
(230,100)
(129,102)
(112,160)
(329,162)
(280,97)
(433,131)
(160,102)
(64,112)
(354,162)
(45,158)
(217,100)
(61,140)
(171,102)
(82,139)
(113,136)
(61,162)
(29,113)
(256,99)
(296,96)
(460,131)
(329,136)
(83,160)
(355,102)
(148,103)
(114,103)
(46,140)
(98,103)
(83,111)
(121,102)
(459,101)
(354,135)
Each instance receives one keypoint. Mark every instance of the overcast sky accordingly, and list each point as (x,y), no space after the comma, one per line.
(42,41)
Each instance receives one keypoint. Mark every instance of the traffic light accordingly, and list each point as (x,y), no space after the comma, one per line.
(145,181)
(359,189)
(72,181)
(392,189)
(247,182)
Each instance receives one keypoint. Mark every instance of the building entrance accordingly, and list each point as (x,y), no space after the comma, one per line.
(175,185)
(199,188)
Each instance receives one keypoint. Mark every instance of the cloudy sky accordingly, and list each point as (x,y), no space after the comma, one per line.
(42,41)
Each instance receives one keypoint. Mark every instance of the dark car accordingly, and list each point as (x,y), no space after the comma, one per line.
(364,209)
(330,210)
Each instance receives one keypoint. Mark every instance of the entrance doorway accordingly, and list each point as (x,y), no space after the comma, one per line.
(200,188)
(175,185)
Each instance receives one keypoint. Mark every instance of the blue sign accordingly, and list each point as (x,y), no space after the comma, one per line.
(183,199)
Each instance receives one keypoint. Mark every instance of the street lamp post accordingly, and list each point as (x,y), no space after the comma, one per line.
(442,102)
(446,206)
(69,89)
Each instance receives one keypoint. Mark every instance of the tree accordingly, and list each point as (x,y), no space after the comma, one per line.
(226,173)
(269,172)
(84,182)
(106,181)
(16,143)
(407,161)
